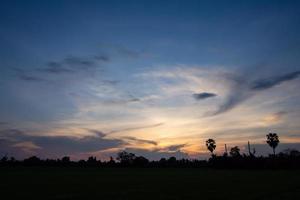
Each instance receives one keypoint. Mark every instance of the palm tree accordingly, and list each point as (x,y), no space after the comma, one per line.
(211,145)
(273,140)
(235,151)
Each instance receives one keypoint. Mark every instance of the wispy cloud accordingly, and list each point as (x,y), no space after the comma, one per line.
(136,128)
(72,64)
(55,145)
(242,89)
(267,83)
(231,87)
(137,140)
(174,148)
(104,58)
(97,133)
(27,146)
(55,68)
(275,117)
(30,78)
(68,65)
(27,75)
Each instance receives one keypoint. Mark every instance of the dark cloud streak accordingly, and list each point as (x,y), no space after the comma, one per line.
(72,64)
(203,95)
(134,139)
(174,148)
(30,78)
(263,84)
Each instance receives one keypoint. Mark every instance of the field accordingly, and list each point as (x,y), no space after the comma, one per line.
(111,184)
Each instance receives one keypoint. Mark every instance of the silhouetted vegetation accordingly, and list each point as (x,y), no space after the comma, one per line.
(251,151)
(211,145)
(273,141)
(289,158)
(235,151)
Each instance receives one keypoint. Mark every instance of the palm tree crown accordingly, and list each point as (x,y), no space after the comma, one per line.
(211,145)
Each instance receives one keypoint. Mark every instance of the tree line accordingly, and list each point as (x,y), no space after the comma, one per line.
(289,158)
(272,141)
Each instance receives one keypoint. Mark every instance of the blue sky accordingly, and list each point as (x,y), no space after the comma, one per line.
(154,77)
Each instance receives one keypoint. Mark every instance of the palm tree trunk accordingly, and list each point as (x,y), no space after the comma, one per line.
(274,151)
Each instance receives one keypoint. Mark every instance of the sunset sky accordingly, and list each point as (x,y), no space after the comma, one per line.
(156,78)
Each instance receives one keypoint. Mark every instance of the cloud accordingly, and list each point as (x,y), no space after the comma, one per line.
(136,140)
(176,147)
(275,117)
(267,83)
(136,128)
(98,133)
(102,58)
(203,95)
(30,78)
(71,64)
(79,61)
(232,101)
(56,68)
(18,143)
(242,89)
(68,65)
(27,146)
(120,101)
(54,146)
(26,76)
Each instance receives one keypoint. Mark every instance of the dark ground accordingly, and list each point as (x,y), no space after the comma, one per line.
(118,183)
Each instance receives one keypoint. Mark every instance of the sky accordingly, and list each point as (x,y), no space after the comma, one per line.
(156,78)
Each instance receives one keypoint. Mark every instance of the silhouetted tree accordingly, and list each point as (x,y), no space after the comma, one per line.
(211,145)
(273,140)
(140,161)
(12,159)
(172,160)
(125,157)
(111,161)
(162,162)
(291,152)
(65,160)
(289,158)
(235,151)
(294,153)
(81,163)
(33,160)
(92,159)
(4,159)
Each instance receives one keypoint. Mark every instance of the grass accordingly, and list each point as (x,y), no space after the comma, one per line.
(111,184)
